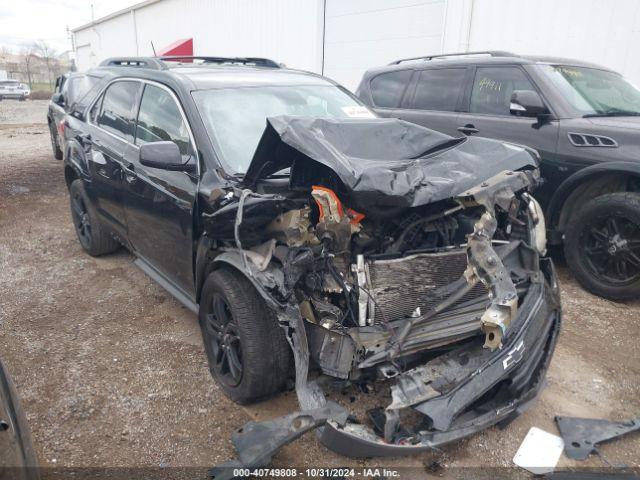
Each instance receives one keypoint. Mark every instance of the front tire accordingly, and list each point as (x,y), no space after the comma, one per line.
(602,246)
(92,235)
(248,354)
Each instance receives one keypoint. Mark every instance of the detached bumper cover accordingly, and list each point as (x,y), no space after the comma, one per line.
(475,404)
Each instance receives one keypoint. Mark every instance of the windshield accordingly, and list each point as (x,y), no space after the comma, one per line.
(594,92)
(236,117)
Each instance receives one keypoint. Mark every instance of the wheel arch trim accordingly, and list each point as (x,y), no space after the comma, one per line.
(205,265)
(568,186)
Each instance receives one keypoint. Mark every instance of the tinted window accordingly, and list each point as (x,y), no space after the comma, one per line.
(116,114)
(439,89)
(160,120)
(492,89)
(387,89)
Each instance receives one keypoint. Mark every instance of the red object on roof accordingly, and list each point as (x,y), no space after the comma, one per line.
(179,47)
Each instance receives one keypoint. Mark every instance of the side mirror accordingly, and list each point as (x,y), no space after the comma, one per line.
(163,155)
(527,103)
(58,99)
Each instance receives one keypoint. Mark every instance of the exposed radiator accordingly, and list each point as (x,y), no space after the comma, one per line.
(399,286)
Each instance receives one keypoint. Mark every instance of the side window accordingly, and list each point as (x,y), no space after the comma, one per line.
(492,89)
(160,120)
(116,114)
(438,89)
(387,88)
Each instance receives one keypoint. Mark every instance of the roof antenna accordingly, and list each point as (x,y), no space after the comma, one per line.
(154,49)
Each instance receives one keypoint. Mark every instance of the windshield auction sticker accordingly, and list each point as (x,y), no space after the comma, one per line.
(358,111)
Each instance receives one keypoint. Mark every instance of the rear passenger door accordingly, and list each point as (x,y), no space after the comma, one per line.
(434,98)
(111,129)
(159,203)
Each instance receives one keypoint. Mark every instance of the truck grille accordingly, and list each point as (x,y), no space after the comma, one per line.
(400,285)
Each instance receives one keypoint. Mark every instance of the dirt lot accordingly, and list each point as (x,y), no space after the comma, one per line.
(111,370)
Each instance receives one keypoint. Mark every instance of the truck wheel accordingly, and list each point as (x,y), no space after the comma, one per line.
(248,354)
(602,246)
(93,237)
(57,152)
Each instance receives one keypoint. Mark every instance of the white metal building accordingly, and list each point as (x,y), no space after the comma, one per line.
(342,38)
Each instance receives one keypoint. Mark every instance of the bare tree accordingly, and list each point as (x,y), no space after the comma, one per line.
(48,55)
(28,60)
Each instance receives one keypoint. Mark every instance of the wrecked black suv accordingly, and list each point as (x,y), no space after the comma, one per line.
(317,241)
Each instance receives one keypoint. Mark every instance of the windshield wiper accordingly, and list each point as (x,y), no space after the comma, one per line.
(613,113)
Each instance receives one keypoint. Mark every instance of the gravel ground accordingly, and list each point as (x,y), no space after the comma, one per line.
(111,370)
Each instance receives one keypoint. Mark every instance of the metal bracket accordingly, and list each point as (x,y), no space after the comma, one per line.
(581,435)
(257,442)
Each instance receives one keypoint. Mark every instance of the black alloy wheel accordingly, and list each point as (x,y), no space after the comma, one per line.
(223,336)
(612,249)
(81,221)
(602,245)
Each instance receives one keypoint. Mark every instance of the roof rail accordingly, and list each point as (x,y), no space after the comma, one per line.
(493,53)
(257,61)
(142,62)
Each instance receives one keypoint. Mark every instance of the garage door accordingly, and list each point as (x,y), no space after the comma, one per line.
(360,34)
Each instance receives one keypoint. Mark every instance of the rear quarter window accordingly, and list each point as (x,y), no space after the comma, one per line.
(387,88)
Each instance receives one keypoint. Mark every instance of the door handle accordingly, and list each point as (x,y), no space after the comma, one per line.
(468,129)
(129,173)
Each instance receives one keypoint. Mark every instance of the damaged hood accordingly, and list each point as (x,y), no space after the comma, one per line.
(383,160)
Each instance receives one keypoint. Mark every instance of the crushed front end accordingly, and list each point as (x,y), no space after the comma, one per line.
(437,287)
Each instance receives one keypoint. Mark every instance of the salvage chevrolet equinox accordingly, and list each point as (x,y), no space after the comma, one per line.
(317,241)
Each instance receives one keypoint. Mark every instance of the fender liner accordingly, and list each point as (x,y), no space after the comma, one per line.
(257,279)
(567,187)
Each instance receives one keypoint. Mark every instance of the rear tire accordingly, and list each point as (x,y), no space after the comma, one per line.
(57,152)
(92,235)
(248,354)
(602,246)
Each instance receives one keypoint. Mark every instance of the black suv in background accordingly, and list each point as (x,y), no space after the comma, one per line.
(309,234)
(71,91)
(583,119)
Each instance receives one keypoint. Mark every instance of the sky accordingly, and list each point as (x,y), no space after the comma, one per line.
(24,21)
